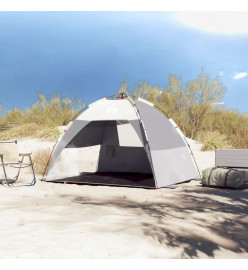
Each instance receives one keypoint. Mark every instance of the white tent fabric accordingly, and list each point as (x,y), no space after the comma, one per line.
(123,136)
(109,110)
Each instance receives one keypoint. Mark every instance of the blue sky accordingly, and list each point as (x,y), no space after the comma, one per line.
(89,54)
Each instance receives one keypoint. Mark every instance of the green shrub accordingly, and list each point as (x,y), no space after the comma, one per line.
(41,119)
(196,106)
(55,111)
(213,140)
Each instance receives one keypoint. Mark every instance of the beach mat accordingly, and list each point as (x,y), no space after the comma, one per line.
(111,179)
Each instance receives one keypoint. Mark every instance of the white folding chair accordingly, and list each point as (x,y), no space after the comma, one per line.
(10,157)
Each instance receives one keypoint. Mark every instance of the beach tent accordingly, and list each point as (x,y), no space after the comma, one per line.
(122,141)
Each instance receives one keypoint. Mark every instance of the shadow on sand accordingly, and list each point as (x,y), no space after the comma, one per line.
(189,219)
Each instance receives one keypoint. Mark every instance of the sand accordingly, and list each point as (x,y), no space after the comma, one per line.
(52,220)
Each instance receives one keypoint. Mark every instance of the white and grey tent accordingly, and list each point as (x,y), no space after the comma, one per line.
(122,141)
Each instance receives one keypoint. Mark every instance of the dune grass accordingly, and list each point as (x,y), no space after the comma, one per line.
(30,130)
(213,140)
(41,158)
(41,120)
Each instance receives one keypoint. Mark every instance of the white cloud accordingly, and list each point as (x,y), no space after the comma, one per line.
(221,73)
(240,75)
(216,22)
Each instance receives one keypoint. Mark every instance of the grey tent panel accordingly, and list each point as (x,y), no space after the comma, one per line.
(110,133)
(95,133)
(170,155)
(68,136)
(172,166)
(123,159)
(161,133)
